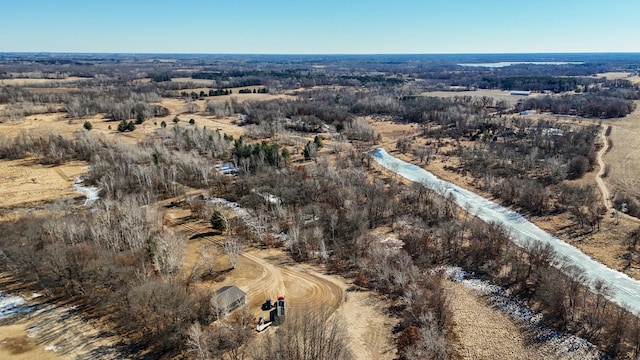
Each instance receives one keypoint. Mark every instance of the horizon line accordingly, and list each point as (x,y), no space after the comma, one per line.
(319,54)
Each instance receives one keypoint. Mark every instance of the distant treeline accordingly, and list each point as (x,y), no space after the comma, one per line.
(530,83)
(585,105)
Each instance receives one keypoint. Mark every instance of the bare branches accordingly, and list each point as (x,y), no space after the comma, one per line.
(232,247)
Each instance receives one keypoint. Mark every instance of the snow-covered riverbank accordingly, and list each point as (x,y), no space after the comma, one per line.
(626,291)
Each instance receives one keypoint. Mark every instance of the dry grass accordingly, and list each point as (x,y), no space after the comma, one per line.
(26,182)
(484,332)
(17,345)
(52,330)
(620,75)
(624,157)
(21,82)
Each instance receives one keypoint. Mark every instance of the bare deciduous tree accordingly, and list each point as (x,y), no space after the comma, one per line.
(232,247)
(308,335)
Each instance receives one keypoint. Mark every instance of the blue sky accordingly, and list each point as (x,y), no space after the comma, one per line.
(319,26)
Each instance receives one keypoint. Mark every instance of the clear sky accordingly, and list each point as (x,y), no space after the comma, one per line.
(319,26)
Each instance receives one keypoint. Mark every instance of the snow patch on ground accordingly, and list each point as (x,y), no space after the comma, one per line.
(51,348)
(226,168)
(270,198)
(10,305)
(256,226)
(91,192)
(33,331)
(564,345)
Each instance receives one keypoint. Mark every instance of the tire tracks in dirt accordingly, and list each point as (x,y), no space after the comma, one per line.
(301,286)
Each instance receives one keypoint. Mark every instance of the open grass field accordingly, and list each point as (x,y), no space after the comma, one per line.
(24,182)
(37,81)
(624,156)
(620,75)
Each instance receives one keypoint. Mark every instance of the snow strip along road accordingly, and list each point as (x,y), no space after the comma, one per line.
(626,291)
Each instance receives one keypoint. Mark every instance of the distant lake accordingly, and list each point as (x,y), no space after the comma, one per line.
(509,63)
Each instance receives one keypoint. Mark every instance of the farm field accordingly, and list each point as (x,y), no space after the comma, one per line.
(623,158)
(24,182)
(37,81)
(620,75)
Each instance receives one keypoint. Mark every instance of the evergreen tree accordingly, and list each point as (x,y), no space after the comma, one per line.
(140,118)
(219,221)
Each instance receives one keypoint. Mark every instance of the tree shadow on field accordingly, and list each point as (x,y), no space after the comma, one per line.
(204,235)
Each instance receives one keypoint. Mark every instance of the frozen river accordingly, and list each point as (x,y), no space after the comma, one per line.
(626,291)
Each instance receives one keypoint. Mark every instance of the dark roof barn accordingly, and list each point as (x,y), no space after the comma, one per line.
(229,298)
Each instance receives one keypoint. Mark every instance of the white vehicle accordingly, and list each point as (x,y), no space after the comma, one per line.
(262,324)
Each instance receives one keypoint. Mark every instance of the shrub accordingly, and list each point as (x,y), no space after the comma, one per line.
(126,126)
(87,125)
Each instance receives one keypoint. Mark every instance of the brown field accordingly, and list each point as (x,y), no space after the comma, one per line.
(624,157)
(52,331)
(24,81)
(190,80)
(496,94)
(620,75)
(24,182)
(484,332)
